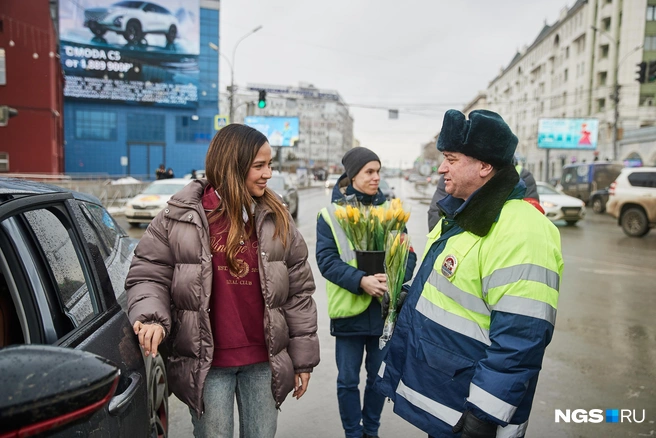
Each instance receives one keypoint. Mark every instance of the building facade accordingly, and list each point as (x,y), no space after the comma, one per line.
(152,104)
(30,83)
(325,123)
(574,69)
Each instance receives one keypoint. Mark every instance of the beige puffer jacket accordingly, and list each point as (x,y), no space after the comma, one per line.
(170,282)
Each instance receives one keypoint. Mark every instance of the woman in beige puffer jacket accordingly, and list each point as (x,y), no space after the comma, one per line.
(170,283)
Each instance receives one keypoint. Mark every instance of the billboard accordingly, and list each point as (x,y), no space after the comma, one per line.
(281,131)
(131,51)
(568,133)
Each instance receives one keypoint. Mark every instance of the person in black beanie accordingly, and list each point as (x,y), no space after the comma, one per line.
(354,296)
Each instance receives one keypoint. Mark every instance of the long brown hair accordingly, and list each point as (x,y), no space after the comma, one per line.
(229,158)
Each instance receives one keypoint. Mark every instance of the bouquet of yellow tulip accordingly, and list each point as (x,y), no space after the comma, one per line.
(396,259)
(367,227)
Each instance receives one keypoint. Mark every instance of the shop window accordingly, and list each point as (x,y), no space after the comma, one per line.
(188,130)
(95,125)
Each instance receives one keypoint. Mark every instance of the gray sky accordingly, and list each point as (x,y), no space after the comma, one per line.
(422,57)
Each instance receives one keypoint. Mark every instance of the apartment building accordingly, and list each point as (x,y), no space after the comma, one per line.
(326,125)
(573,70)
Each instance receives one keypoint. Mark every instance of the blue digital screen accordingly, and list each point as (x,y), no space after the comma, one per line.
(568,133)
(281,131)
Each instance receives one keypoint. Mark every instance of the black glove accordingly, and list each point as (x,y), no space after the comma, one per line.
(473,427)
(384,304)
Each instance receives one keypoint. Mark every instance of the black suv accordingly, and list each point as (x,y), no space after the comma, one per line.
(70,361)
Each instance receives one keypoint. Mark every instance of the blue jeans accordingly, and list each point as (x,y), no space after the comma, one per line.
(251,386)
(348,352)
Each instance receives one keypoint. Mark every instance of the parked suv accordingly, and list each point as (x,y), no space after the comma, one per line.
(71,364)
(632,200)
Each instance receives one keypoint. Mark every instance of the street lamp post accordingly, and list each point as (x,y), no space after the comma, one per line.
(231,63)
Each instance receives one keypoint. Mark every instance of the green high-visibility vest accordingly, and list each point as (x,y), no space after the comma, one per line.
(341,302)
(515,268)
(519,169)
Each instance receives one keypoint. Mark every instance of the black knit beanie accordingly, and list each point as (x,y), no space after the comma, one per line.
(356,158)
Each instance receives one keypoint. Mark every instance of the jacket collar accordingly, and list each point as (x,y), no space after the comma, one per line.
(481,210)
(190,195)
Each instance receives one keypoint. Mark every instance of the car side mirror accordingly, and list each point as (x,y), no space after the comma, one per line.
(43,387)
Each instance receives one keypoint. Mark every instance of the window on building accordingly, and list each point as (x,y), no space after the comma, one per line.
(188,130)
(651,13)
(567,52)
(3,68)
(95,125)
(601,105)
(565,75)
(605,24)
(650,42)
(603,76)
(603,51)
(647,100)
(146,127)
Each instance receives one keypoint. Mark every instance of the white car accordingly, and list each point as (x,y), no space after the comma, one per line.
(632,200)
(331,180)
(145,206)
(199,174)
(559,206)
(133,19)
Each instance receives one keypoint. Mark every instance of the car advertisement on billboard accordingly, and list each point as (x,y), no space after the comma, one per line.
(281,131)
(568,133)
(142,52)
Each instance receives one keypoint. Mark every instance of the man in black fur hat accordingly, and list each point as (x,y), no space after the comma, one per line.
(468,345)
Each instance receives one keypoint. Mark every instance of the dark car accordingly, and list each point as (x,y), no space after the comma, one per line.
(70,361)
(288,193)
(580,180)
(386,189)
(598,200)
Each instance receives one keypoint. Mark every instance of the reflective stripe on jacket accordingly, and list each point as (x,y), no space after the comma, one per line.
(474,334)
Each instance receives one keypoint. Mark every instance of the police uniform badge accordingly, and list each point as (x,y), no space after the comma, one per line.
(449,266)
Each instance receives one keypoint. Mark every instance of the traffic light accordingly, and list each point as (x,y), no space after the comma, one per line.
(651,71)
(261,101)
(642,70)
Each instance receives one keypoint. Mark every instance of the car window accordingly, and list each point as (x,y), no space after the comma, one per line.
(643,179)
(103,223)
(569,175)
(150,8)
(382,185)
(544,190)
(95,235)
(72,286)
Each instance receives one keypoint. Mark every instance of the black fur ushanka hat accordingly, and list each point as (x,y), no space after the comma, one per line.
(485,136)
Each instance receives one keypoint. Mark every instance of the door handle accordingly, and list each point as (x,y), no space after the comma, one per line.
(119,402)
